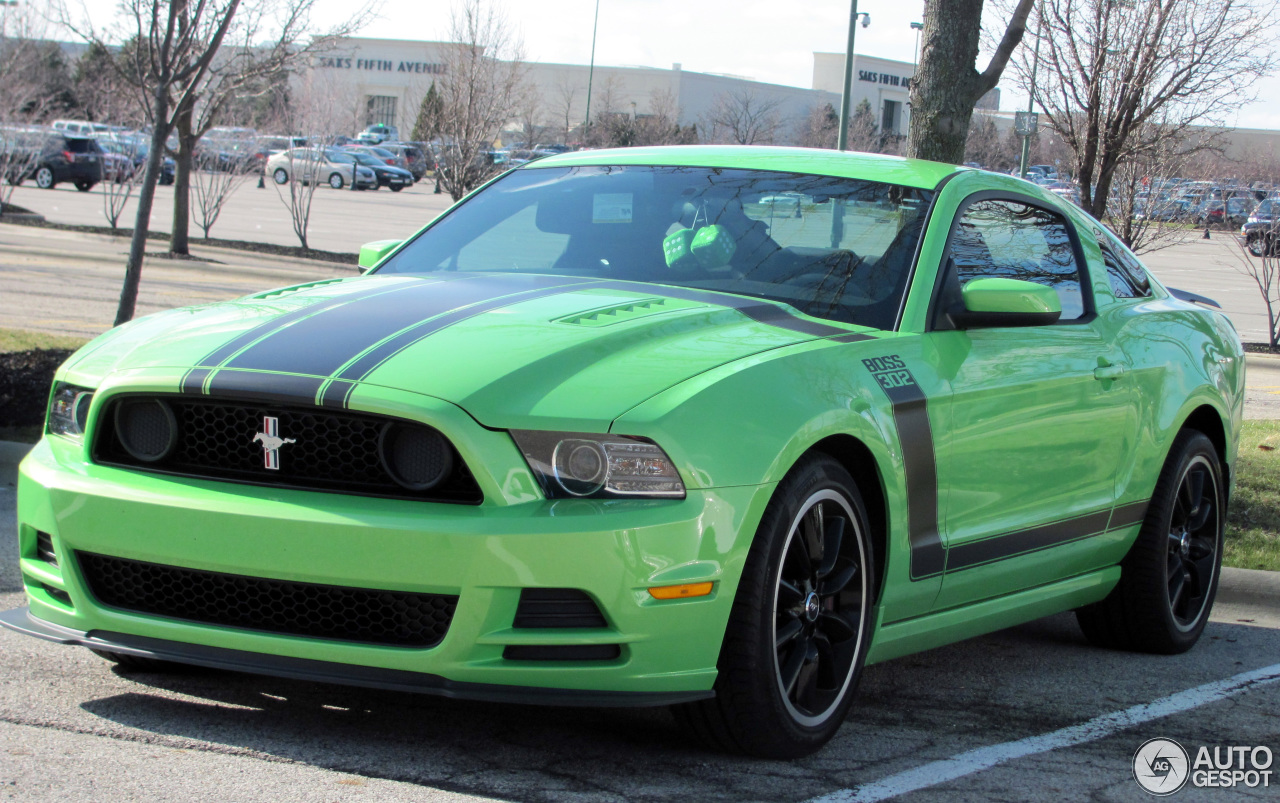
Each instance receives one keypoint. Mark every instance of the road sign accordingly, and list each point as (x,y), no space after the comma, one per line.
(1026,123)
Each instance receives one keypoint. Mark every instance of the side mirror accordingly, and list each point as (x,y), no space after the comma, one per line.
(373,253)
(992,303)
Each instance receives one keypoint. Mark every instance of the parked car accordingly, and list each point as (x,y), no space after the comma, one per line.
(268,144)
(1261,231)
(80,128)
(602,435)
(20,148)
(413,154)
(378,133)
(332,166)
(384,155)
(396,178)
(66,158)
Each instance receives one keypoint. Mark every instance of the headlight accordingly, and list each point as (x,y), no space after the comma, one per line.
(69,412)
(576,465)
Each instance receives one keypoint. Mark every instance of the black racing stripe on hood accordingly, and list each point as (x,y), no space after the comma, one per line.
(760,311)
(255,386)
(322,343)
(228,349)
(337,393)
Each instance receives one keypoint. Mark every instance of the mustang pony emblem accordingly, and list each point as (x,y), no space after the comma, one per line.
(271,442)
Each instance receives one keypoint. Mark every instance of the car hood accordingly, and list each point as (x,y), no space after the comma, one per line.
(512,350)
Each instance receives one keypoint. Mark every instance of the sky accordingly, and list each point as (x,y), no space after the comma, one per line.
(756,39)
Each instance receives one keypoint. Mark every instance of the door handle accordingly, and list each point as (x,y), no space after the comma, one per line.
(1104,372)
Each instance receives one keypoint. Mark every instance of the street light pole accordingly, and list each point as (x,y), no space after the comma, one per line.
(842,139)
(1031,98)
(917,27)
(591,71)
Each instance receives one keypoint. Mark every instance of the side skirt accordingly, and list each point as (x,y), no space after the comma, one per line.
(945,627)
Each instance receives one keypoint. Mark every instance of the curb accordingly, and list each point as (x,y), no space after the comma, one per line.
(1251,356)
(1249,587)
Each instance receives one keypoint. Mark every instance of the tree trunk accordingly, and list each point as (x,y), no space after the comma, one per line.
(142,222)
(179,242)
(948,85)
(943,92)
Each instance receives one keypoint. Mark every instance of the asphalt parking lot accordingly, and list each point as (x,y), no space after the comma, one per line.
(973,721)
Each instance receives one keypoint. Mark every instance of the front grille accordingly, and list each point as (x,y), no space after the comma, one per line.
(328,450)
(370,616)
(557,607)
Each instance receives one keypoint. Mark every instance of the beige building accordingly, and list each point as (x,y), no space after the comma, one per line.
(384,81)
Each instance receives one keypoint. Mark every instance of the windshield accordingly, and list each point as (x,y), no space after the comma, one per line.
(834,248)
(340,157)
(365,159)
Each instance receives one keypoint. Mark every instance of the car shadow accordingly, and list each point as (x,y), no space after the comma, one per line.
(1018,682)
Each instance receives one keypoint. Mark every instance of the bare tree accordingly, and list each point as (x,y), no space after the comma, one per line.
(565,108)
(1127,80)
(482,86)
(819,129)
(211,187)
(948,85)
(170,45)
(305,175)
(530,112)
(269,39)
(744,118)
(22,100)
(1264,269)
(120,177)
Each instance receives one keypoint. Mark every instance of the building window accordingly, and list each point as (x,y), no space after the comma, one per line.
(380,109)
(889,121)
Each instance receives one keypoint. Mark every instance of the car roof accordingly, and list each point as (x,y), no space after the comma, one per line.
(816,161)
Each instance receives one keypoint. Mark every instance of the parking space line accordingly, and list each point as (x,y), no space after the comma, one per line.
(984,758)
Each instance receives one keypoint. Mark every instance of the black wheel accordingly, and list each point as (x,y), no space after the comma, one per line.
(135,663)
(396,187)
(84,186)
(44,178)
(281,176)
(1256,246)
(335,181)
(801,621)
(1170,576)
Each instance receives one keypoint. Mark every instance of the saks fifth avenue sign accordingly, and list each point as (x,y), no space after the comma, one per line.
(379,65)
(882,78)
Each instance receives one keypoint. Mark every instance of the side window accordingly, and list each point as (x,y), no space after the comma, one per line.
(1123,284)
(1125,273)
(1012,240)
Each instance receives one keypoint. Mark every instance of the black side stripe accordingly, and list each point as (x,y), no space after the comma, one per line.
(338,392)
(1021,542)
(915,435)
(1129,515)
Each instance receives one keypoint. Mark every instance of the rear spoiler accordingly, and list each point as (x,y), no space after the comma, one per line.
(1194,298)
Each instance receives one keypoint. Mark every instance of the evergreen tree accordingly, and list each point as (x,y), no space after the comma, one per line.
(427,126)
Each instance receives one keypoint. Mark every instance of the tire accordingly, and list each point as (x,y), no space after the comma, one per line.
(281,176)
(1256,245)
(84,186)
(44,178)
(335,180)
(788,701)
(134,663)
(1169,579)
(397,187)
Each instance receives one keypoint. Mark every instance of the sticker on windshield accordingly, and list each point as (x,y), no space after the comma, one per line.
(611,207)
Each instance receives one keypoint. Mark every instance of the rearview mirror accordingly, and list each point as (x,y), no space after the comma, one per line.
(1006,302)
(373,253)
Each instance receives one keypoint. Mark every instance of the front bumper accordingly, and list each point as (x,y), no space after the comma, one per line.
(611,550)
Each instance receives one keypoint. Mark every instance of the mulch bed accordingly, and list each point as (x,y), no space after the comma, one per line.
(25,378)
(1260,348)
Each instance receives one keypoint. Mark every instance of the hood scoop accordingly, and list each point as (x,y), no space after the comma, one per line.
(298,288)
(628,311)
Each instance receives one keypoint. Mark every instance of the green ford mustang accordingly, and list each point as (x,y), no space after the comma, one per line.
(622,428)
